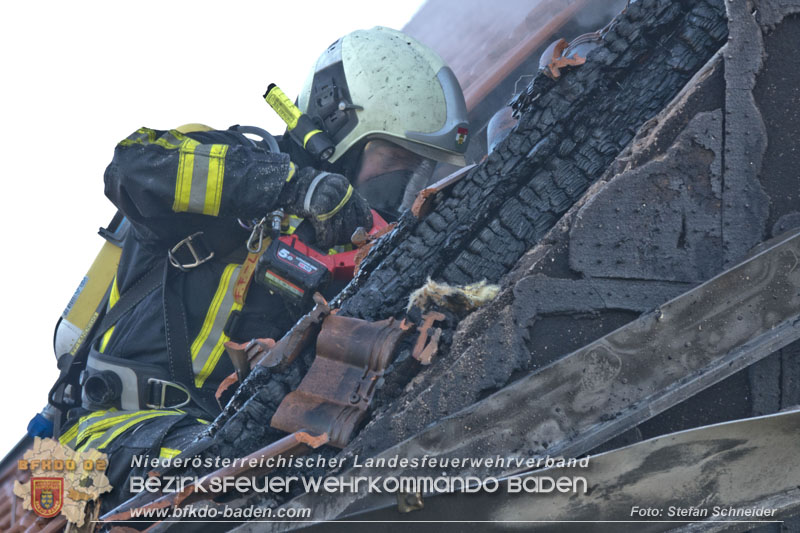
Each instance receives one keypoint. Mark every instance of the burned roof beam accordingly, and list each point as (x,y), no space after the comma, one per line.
(568,133)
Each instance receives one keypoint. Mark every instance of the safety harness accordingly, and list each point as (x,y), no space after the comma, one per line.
(103,382)
(109,382)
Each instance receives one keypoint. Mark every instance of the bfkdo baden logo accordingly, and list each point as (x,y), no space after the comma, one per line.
(47,495)
(61,481)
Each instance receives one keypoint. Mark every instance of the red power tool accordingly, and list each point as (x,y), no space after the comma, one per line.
(297,270)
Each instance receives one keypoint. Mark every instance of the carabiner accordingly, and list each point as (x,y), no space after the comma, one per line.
(257,229)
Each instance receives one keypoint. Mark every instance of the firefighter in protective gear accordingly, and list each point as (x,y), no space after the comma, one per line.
(392,107)
(177,285)
(155,370)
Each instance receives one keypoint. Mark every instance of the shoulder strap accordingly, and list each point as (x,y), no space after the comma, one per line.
(130,298)
(177,337)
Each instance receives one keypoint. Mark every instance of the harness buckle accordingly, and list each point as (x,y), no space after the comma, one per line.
(190,242)
(163,395)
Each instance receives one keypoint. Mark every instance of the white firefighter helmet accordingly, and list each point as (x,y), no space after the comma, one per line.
(381,83)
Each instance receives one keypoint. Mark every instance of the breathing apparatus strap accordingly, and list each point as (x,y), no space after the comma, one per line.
(179,353)
(130,298)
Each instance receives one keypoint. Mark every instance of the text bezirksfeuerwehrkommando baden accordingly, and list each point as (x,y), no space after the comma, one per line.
(371,483)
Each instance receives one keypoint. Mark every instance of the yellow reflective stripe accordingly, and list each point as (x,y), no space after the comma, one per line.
(168,453)
(140,136)
(216,353)
(72,432)
(204,163)
(309,135)
(294,222)
(108,419)
(124,427)
(292,170)
(183,183)
(340,248)
(106,337)
(216,173)
(91,432)
(209,343)
(149,133)
(171,140)
(113,298)
(336,209)
(132,420)
(201,171)
(213,309)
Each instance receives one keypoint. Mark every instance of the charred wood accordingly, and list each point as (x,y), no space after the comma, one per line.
(569,132)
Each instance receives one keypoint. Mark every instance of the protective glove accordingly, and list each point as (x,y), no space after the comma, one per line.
(329,202)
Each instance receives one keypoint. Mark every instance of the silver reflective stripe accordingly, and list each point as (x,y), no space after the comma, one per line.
(294,222)
(171,139)
(76,433)
(197,194)
(119,424)
(138,136)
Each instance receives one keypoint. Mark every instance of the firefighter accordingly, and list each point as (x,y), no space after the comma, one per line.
(391,107)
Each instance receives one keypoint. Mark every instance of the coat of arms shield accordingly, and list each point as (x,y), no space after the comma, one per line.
(47,495)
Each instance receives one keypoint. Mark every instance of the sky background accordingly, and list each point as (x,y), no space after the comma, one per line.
(80,76)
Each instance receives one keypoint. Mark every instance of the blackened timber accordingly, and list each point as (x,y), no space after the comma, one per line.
(611,385)
(568,133)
